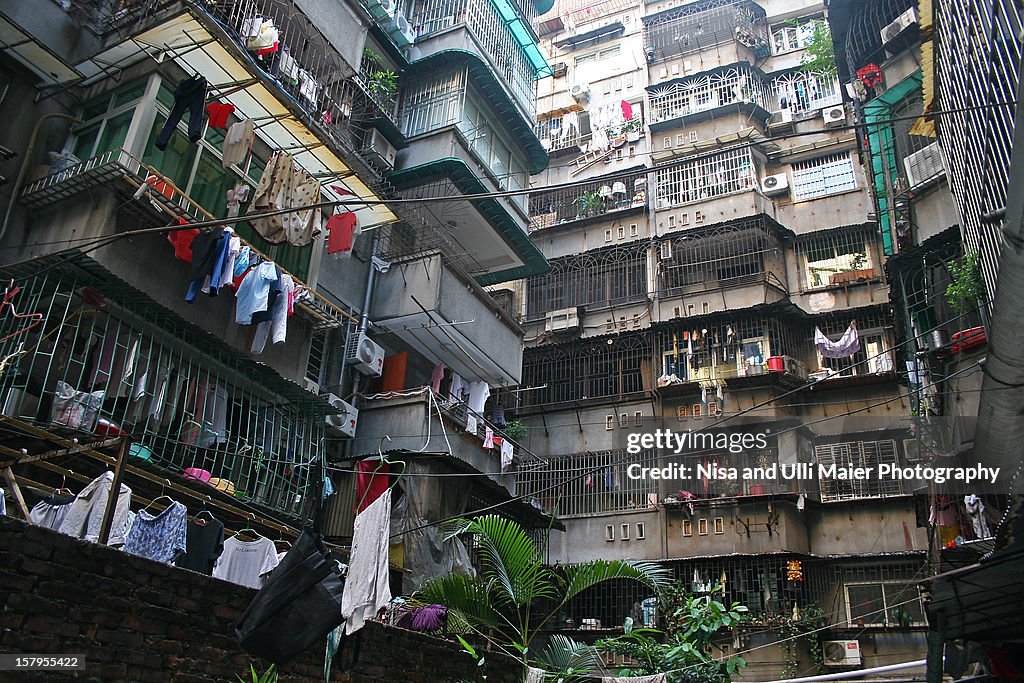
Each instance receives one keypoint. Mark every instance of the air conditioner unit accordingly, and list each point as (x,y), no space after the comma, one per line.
(381,10)
(902,23)
(794,367)
(841,652)
(312,387)
(665,250)
(381,152)
(775,185)
(401,31)
(834,116)
(911,450)
(924,164)
(368,356)
(580,92)
(345,420)
(562,320)
(559,69)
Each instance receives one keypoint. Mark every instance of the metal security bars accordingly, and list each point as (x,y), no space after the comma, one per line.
(875,331)
(851,454)
(557,486)
(106,360)
(704,92)
(801,92)
(606,277)
(587,369)
(731,171)
(884,594)
(434,102)
(493,35)
(700,26)
(585,201)
(824,176)
(837,257)
(727,255)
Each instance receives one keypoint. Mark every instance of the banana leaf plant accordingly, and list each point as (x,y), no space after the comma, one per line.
(515,594)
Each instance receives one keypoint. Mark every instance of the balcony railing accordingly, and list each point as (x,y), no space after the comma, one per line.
(107,360)
(698,26)
(587,201)
(706,92)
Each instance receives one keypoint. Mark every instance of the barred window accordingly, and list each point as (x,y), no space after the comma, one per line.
(593,369)
(731,171)
(839,257)
(857,454)
(803,92)
(787,37)
(823,177)
(433,103)
(703,92)
(875,353)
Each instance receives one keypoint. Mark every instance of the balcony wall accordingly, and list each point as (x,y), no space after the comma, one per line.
(788,530)
(437,311)
(840,529)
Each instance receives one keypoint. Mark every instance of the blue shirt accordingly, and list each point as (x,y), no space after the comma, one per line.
(159,537)
(254,293)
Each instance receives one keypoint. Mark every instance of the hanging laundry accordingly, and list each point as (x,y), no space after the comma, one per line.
(276,290)
(223,269)
(308,87)
(975,508)
(277,327)
(264,38)
(189,95)
(471,424)
(341,231)
(237,142)
(372,480)
(367,586)
(488,438)
(251,26)
(627,110)
(85,515)
(435,378)
(159,537)
(288,67)
(846,346)
(506,454)
(51,511)
(254,293)
(207,252)
(219,113)
(204,544)
(283,186)
(478,393)
(246,563)
(457,388)
(181,240)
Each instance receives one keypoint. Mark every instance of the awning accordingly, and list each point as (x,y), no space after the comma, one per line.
(459,173)
(524,35)
(607,31)
(520,128)
(200,44)
(34,55)
(925,125)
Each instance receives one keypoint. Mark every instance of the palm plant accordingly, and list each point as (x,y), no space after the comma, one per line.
(566,660)
(515,594)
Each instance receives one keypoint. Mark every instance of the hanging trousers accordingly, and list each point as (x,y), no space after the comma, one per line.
(190,95)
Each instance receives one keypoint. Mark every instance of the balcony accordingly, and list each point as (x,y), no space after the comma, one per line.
(449,319)
(701,96)
(113,361)
(595,201)
(700,26)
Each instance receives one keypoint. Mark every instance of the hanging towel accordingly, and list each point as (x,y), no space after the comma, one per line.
(372,480)
(847,345)
(341,232)
(237,142)
(627,110)
(367,588)
(506,454)
(488,437)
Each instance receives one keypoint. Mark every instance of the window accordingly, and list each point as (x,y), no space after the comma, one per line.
(621,232)
(623,420)
(801,92)
(836,258)
(702,527)
(687,528)
(107,119)
(724,173)
(609,421)
(786,37)
(884,604)
(608,235)
(833,458)
(719,525)
(606,488)
(317,356)
(641,531)
(666,143)
(712,409)
(625,532)
(680,140)
(823,177)
(634,230)
(638,419)
(696,410)
(609,532)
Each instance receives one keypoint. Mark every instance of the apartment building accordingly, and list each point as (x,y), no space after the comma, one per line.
(708,209)
(363,108)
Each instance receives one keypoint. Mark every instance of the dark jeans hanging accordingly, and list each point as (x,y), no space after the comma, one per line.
(191,95)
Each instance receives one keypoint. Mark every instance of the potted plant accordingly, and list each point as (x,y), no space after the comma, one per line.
(632,129)
(268,676)
(383,85)
(590,204)
(514,430)
(965,294)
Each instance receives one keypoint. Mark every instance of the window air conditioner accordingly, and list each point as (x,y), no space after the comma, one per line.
(834,116)
(367,356)
(911,450)
(558,70)
(902,23)
(381,152)
(381,10)
(794,367)
(580,92)
(665,250)
(924,164)
(841,652)
(562,320)
(401,31)
(775,185)
(345,420)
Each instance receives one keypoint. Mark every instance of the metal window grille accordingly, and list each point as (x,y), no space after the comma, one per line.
(584,201)
(836,257)
(731,171)
(699,26)
(727,255)
(433,103)
(874,329)
(556,483)
(605,277)
(558,134)
(823,176)
(707,91)
(586,369)
(882,594)
(858,454)
(801,92)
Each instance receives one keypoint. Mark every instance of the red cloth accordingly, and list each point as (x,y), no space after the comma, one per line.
(268,50)
(341,229)
(627,110)
(219,114)
(181,240)
(236,281)
(370,482)
(342,191)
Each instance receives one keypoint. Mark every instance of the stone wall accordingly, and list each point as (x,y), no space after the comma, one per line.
(142,621)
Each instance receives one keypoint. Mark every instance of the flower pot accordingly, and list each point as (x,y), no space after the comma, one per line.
(757,489)
(633,136)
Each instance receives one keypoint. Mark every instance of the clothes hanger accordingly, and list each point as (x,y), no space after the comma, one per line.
(62,490)
(10,291)
(249,530)
(153,502)
(383,461)
(199,519)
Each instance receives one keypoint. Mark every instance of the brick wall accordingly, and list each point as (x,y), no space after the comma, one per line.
(139,620)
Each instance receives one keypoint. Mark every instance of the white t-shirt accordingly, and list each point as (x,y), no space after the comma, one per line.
(246,562)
